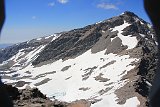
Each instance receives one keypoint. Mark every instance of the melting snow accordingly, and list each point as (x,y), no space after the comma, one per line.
(99,22)
(131,42)
(56,36)
(38,39)
(149,25)
(24,57)
(69,89)
(48,36)
(143,35)
(65,85)
(107,101)
(137,20)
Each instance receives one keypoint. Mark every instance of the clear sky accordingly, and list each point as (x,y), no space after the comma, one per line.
(28,19)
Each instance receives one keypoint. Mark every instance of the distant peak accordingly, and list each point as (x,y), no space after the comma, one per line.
(129,13)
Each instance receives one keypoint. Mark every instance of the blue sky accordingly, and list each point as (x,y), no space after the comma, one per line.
(28,19)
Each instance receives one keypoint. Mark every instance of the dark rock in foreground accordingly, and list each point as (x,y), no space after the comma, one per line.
(32,97)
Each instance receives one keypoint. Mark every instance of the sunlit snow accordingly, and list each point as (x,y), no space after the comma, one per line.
(65,85)
(130,41)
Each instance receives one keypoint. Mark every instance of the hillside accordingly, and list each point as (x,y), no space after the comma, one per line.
(110,63)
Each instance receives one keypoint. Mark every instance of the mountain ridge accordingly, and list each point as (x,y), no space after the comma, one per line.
(95,38)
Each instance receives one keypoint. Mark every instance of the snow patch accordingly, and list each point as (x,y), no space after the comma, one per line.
(149,25)
(107,101)
(142,35)
(38,39)
(130,41)
(55,37)
(99,22)
(103,31)
(48,36)
(148,83)
(25,57)
(152,35)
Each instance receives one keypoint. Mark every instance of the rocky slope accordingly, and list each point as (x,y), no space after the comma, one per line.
(32,97)
(108,63)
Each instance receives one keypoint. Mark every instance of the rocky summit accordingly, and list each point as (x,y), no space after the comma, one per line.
(110,63)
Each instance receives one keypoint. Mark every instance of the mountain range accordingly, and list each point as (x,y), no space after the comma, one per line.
(110,63)
(5,45)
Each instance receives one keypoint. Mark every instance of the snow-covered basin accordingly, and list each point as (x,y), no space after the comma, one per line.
(65,85)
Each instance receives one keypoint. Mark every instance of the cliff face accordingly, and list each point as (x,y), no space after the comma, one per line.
(111,63)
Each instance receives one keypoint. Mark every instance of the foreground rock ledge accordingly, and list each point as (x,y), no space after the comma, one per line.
(32,97)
